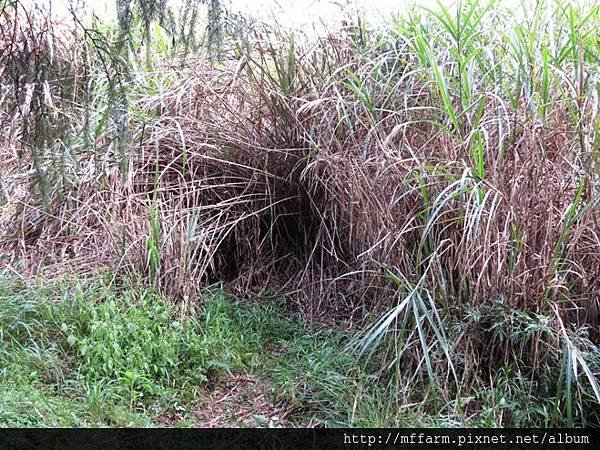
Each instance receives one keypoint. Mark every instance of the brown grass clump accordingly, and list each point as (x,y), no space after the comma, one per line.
(290,179)
(320,211)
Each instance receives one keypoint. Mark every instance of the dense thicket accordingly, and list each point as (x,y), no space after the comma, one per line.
(441,171)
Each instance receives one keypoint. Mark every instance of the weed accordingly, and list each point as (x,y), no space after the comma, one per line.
(435,171)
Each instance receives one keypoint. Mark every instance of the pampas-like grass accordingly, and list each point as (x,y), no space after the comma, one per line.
(283,172)
(385,175)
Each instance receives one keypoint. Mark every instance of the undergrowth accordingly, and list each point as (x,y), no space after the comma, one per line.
(99,353)
(89,353)
(432,181)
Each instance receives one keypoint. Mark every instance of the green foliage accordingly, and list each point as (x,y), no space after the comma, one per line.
(177,28)
(540,373)
(92,353)
(128,339)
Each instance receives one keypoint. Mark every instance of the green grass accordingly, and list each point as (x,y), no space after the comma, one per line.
(438,171)
(89,353)
(98,353)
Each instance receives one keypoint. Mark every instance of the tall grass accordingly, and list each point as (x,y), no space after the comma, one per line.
(440,172)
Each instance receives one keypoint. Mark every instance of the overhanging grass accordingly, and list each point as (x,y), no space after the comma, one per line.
(439,172)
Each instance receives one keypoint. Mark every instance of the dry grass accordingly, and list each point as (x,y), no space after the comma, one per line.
(241,400)
(283,171)
(354,173)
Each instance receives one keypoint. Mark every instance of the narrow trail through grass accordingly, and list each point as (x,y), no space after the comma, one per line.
(431,180)
(91,354)
(99,352)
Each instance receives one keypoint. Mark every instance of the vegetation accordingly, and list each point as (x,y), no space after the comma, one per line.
(91,353)
(429,186)
(101,353)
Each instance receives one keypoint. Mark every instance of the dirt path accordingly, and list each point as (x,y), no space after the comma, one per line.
(236,401)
